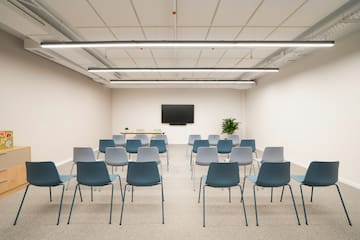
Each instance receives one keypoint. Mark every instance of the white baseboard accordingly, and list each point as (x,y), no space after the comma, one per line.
(69,160)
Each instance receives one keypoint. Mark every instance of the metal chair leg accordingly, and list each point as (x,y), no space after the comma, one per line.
(256,213)
(200,189)
(229,195)
(243,187)
(21,204)
(50,194)
(92,194)
(243,203)
(204,206)
(122,206)
(121,190)
(312,193)
(61,200)
(292,196)
(162,201)
(282,193)
(343,204)
(303,203)
(271,198)
(132,193)
(72,204)
(167,160)
(81,198)
(111,203)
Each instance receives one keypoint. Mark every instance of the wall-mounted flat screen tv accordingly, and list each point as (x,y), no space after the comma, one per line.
(177,114)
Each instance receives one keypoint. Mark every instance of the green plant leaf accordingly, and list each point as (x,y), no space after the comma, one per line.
(229,125)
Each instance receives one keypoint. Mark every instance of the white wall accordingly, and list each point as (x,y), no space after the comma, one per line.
(312,108)
(50,108)
(141,109)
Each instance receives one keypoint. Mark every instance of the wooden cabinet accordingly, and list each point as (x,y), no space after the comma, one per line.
(12,169)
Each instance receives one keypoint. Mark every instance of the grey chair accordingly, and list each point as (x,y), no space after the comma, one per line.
(213,139)
(204,156)
(81,154)
(191,141)
(143,138)
(116,157)
(235,139)
(148,154)
(243,156)
(119,140)
(160,137)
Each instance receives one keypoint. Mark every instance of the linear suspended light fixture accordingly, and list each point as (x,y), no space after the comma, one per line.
(182,81)
(186,44)
(182,70)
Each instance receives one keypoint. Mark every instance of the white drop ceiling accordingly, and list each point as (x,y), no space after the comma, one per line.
(93,20)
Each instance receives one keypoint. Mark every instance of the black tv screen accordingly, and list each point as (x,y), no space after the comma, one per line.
(177,114)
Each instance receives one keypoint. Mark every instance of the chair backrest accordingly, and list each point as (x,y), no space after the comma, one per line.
(161,137)
(273,174)
(273,154)
(192,138)
(241,155)
(143,174)
(119,140)
(132,145)
(248,143)
(224,146)
(148,154)
(83,154)
(92,173)
(42,174)
(235,139)
(200,143)
(160,144)
(213,139)
(104,143)
(223,175)
(116,156)
(206,155)
(143,138)
(322,173)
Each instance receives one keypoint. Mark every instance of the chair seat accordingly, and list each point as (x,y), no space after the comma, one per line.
(252,179)
(143,182)
(66,178)
(298,178)
(113,176)
(117,164)
(202,164)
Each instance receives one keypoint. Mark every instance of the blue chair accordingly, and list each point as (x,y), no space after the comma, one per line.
(143,174)
(44,174)
(320,174)
(94,174)
(224,147)
(161,145)
(249,143)
(196,145)
(222,175)
(132,146)
(103,144)
(273,174)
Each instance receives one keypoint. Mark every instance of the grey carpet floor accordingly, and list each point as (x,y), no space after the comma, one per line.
(183,215)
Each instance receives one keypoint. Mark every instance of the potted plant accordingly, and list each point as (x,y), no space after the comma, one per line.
(229,125)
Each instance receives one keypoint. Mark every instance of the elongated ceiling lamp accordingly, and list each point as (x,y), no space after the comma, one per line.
(182,82)
(187,44)
(182,70)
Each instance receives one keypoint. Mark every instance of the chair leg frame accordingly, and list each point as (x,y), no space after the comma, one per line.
(71,171)
(23,199)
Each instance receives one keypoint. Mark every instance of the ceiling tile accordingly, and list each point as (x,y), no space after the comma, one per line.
(195,13)
(163,52)
(128,34)
(123,62)
(166,62)
(254,33)
(187,53)
(80,14)
(212,53)
(272,13)
(185,62)
(115,12)
(248,63)
(96,34)
(154,12)
(286,33)
(235,12)
(145,62)
(139,53)
(159,33)
(207,62)
(226,62)
(236,53)
(313,11)
(222,33)
(114,53)
(193,33)
(78,56)
(262,52)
